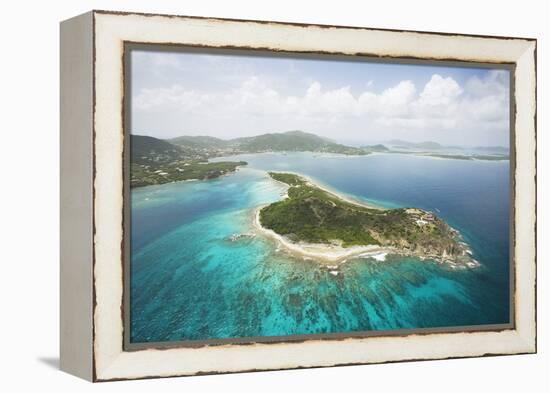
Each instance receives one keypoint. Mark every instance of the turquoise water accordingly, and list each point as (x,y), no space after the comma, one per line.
(190,281)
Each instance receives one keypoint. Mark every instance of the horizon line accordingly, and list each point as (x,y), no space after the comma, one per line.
(319,136)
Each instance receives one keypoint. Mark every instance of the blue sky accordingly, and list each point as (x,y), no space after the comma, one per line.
(356,102)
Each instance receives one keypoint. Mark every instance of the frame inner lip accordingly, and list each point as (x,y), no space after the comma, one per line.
(293,339)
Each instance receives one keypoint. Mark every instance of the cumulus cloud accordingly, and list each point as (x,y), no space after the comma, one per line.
(440,91)
(441,104)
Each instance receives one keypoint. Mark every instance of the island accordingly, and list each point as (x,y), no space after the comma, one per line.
(316,223)
(158,161)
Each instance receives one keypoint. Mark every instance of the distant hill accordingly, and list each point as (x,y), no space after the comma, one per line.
(493,149)
(199,141)
(292,141)
(156,161)
(275,142)
(375,148)
(146,149)
(427,145)
(430,145)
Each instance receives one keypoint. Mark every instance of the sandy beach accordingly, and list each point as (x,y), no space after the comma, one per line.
(323,253)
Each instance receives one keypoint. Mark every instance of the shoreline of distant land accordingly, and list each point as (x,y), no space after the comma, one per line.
(159,161)
(451,156)
(333,255)
(433,155)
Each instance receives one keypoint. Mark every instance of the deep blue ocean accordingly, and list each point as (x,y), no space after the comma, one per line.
(190,281)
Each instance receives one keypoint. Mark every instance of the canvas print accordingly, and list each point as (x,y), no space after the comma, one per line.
(275,197)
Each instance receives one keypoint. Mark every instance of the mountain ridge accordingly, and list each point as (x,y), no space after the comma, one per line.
(294,140)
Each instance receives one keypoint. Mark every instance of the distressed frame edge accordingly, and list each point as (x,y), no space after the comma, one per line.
(76,196)
(529,340)
(526,132)
(305,24)
(129,46)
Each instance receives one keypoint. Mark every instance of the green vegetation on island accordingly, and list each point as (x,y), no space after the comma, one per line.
(146,175)
(312,215)
(154,161)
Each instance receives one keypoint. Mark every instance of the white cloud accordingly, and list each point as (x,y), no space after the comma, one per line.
(441,104)
(440,91)
(400,95)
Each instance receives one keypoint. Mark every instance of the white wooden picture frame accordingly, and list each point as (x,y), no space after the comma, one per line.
(92,194)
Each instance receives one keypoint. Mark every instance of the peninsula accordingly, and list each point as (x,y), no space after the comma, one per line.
(316,223)
(154,161)
(158,161)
